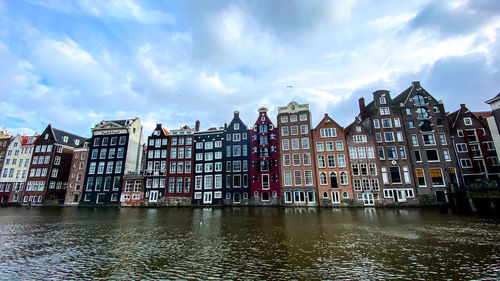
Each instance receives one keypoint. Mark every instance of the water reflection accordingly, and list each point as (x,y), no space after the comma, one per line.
(251,243)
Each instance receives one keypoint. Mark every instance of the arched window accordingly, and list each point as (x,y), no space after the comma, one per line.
(228,195)
(422,112)
(343,178)
(322,178)
(345,195)
(333,180)
(419,100)
(325,194)
(245,195)
(275,194)
(425,126)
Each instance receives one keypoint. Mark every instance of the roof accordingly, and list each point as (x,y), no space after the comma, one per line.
(450,118)
(482,114)
(493,99)
(24,139)
(165,131)
(403,97)
(72,138)
(119,122)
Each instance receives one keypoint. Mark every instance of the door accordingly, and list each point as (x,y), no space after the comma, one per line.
(153,196)
(335,197)
(399,196)
(236,198)
(368,199)
(207,198)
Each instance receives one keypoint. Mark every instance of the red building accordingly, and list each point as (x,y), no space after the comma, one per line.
(132,190)
(180,166)
(77,175)
(264,158)
(50,166)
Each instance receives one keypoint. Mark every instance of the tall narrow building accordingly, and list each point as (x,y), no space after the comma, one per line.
(5,138)
(494,121)
(298,183)
(363,164)
(391,149)
(181,166)
(208,167)
(264,167)
(15,169)
(155,173)
(77,174)
(115,150)
(332,173)
(50,166)
(236,154)
(473,142)
(430,146)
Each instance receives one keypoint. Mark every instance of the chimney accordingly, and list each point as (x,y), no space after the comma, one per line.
(462,106)
(362,110)
(262,109)
(236,114)
(225,125)
(197,126)
(416,84)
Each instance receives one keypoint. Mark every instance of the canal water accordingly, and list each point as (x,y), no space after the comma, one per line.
(241,243)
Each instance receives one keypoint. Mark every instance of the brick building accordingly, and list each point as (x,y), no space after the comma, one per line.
(77,174)
(332,173)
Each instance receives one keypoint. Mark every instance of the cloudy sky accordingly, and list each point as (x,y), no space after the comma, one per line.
(74,63)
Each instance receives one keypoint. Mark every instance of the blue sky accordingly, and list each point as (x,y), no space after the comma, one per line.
(74,63)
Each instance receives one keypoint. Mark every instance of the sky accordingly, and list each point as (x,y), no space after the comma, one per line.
(75,63)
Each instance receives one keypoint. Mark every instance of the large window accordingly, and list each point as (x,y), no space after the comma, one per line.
(395,175)
(437,177)
(328,132)
(419,100)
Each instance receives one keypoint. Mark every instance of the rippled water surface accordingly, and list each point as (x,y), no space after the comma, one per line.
(240,243)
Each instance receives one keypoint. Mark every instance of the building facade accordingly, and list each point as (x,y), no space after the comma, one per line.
(494,121)
(181,166)
(298,185)
(115,150)
(77,175)
(5,138)
(474,145)
(15,169)
(265,189)
(236,154)
(155,173)
(50,166)
(330,154)
(394,164)
(361,145)
(208,167)
(430,146)
(132,190)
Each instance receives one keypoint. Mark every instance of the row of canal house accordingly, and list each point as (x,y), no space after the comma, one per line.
(401,150)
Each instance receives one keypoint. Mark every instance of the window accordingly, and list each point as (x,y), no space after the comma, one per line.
(425,126)
(361,152)
(414,140)
(305,143)
(208,182)
(381,154)
(295,144)
(429,139)
(419,99)
(442,138)
(284,119)
(286,159)
(355,169)
(329,146)
(284,131)
(339,145)
(399,136)
(397,123)
(446,154)
(467,121)
(331,161)
(462,147)
(471,135)
(386,123)
(306,159)
(297,177)
(304,129)
(303,117)
(353,154)
(395,175)
(308,178)
(422,113)
(420,177)
(328,133)
(466,163)
(288,178)
(319,147)
(384,111)
(432,155)
(373,169)
(437,177)
(389,137)
(294,130)
(321,161)
(118,167)
(293,118)
(285,144)
(392,153)
(341,160)
(265,181)
(411,124)
(402,152)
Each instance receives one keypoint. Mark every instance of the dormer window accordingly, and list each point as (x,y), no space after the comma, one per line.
(65,138)
(46,136)
(467,121)
(237,126)
(382,100)
(77,142)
